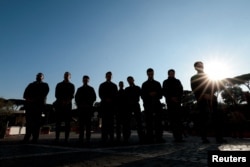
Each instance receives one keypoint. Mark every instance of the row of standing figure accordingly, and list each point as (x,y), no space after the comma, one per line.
(35,99)
(120,104)
(151,92)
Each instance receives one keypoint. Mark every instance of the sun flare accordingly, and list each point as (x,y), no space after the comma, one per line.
(217,70)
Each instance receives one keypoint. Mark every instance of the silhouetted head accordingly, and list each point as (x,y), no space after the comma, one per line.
(171,73)
(130,80)
(108,76)
(85,79)
(39,77)
(67,76)
(199,66)
(121,84)
(150,73)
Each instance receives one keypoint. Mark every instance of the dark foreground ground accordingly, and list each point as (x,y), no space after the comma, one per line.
(191,153)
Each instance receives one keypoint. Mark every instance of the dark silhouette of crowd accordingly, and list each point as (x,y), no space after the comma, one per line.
(119,105)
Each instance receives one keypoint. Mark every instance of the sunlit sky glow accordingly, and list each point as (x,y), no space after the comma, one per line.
(218,69)
(91,37)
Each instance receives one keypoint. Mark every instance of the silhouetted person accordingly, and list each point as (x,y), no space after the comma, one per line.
(63,105)
(151,95)
(35,95)
(85,98)
(204,91)
(108,93)
(120,111)
(173,91)
(133,93)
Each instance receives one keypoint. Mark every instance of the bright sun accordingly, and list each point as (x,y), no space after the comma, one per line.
(217,70)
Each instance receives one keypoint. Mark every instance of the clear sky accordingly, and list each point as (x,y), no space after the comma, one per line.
(91,37)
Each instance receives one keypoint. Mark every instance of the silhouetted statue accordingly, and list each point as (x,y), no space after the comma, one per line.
(35,99)
(63,105)
(173,91)
(151,95)
(85,98)
(107,93)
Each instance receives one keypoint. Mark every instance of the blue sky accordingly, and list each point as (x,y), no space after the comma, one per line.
(91,37)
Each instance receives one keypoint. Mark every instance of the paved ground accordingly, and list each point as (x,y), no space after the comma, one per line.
(46,153)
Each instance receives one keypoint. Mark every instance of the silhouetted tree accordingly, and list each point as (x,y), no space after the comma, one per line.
(232,95)
(238,80)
